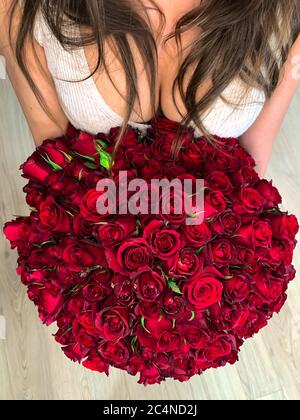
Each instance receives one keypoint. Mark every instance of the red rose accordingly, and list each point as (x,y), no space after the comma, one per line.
(149,284)
(116,353)
(257,234)
(195,337)
(197,235)
(204,289)
(148,309)
(113,323)
(95,291)
(123,289)
(172,305)
(220,182)
(185,264)
(49,304)
(85,145)
(284,227)
(220,252)
(130,256)
(250,202)
(246,176)
(53,217)
(18,232)
(95,363)
(150,376)
(89,209)
(164,243)
(113,233)
(271,196)
(236,289)
(55,152)
(151,170)
(169,341)
(214,204)
(194,154)
(221,347)
(226,224)
(78,255)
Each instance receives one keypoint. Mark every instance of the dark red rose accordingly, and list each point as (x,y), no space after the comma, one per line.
(271,195)
(164,243)
(204,289)
(152,169)
(116,353)
(113,323)
(123,289)
(169,341)
(95,290)
(173,207)
(149,309)
(130,256)
(53,217)
(197,235)
(150,376)
(172,305)
(149,284)
(113,233)
(34,193)
(49,305)
(219,181)
(221,347)
(95,363)
(85,145)
(195,336)
(226,224)
(194,154)
(214,204)
(237,289)
(247,176)
(284,227)
(80,254)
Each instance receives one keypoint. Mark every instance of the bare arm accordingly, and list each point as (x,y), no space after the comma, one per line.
(39,122)
(260,137)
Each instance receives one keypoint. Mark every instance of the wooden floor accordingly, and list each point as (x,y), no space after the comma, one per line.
(32,366)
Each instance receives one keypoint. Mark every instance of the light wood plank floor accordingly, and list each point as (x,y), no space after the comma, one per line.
(32,366)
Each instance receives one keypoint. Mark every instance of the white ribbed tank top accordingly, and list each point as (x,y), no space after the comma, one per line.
(86,109)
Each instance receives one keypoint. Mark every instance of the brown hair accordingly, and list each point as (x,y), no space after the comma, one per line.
(249,39)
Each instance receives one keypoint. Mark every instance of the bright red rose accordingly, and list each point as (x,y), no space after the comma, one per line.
(226,224)
(95,363)
(220,252)
(35,168)
(237,289)
(55,152)
(148,309)
(271,195)
(130,256)
(197,235)
(113,323)
(214,204)
(185,264)
(204,289)
(219,181)
(18,232)
(250,202)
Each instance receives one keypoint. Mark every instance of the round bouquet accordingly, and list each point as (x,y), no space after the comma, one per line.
(160,293)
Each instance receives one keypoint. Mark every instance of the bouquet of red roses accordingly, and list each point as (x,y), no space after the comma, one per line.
(147,292)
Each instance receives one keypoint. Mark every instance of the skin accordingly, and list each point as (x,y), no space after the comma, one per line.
(266,127)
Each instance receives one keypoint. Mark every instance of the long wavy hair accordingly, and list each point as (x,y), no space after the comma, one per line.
(245,39)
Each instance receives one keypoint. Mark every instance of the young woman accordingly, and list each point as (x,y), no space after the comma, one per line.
(228,68)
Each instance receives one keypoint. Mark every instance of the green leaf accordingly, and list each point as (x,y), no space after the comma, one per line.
(228,277)
(192,316)
(143,325)
(133,343)
(85,157)
(105,159)
(54,165)
(67,156)
(174,286)
(102,143)
(90,165)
